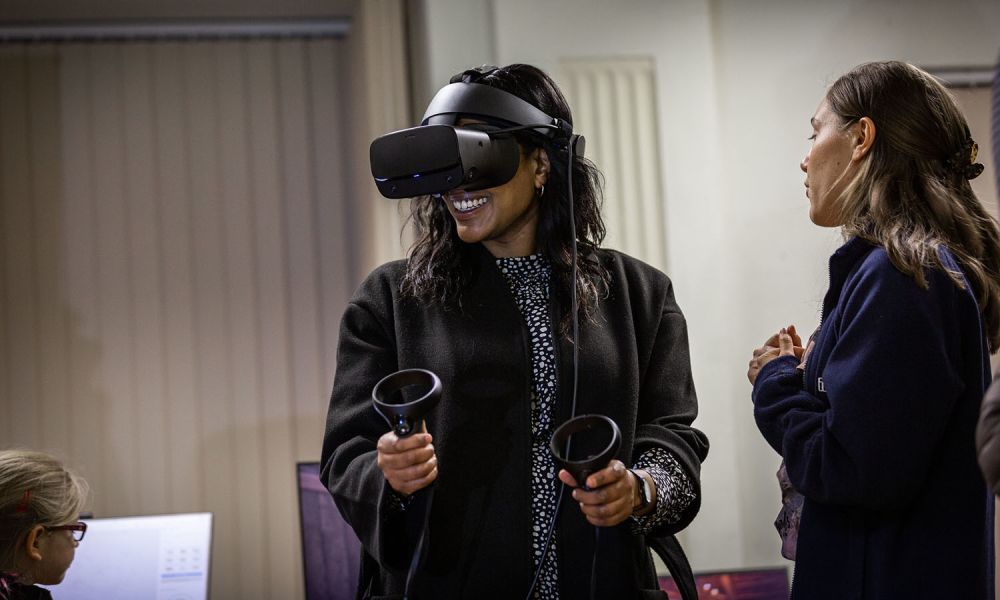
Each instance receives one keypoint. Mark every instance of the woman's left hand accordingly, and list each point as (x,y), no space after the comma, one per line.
(609,501)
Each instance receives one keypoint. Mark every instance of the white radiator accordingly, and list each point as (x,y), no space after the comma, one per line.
(614,107)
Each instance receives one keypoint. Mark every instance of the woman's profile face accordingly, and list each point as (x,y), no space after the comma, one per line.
(828,166)
(503,218)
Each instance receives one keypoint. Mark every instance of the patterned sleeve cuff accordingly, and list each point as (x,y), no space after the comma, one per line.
(674,492)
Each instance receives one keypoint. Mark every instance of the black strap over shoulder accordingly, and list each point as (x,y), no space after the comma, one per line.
(672,555)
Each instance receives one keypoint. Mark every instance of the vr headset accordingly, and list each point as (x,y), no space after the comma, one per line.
(437,156)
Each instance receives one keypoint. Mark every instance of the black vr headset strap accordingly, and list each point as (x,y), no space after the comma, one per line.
(477,100)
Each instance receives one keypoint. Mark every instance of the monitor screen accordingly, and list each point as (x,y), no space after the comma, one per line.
(331,553)
(749,584)
(163,557)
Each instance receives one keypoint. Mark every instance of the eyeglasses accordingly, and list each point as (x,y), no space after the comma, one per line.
(77,529)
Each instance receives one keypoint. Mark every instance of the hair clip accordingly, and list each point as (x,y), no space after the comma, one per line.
(23,503)
(974,170)
(964,162)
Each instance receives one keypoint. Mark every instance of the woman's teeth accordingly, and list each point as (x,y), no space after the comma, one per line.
(468,205)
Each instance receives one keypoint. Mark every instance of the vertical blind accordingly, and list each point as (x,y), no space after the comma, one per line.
(176,247)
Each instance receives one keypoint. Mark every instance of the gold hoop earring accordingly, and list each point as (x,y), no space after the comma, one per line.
(541,191)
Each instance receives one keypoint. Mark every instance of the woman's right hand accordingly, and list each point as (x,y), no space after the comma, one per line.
(409,464)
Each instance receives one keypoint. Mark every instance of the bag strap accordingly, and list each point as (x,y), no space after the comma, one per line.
(672,555)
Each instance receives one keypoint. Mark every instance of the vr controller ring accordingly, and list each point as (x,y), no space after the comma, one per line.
(404,417)
(581,469)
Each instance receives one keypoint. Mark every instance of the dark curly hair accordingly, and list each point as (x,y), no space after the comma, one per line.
(441,266)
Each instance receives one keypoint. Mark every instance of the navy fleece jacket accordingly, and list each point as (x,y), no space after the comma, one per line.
(878,434)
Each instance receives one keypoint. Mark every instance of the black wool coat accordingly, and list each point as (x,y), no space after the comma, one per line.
(634,367)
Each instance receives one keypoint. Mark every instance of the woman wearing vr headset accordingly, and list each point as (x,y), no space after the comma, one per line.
(875,418)
(483,300)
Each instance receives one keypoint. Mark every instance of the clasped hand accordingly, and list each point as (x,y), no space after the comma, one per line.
(784,343)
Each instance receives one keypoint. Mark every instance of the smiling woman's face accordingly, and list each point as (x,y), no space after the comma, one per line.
(503,218)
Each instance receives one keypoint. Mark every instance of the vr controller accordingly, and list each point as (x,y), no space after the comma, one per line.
(437,156)
(404,417)
(591,425)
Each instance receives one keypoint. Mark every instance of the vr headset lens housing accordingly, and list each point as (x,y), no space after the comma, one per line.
(438,156)
(433,159)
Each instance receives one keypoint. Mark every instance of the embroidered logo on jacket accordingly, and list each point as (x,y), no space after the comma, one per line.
(819,385)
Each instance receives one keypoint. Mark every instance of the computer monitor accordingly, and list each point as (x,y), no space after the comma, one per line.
(744,584)
(162,557)
(331,553)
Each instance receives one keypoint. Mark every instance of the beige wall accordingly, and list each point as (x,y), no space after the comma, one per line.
(176,252)
(181,224)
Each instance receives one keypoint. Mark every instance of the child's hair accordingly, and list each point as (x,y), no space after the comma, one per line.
(35,489)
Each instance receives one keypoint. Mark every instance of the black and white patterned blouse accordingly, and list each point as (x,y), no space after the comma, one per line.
(528,278)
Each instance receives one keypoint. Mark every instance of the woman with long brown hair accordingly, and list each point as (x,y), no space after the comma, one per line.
(875,417)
